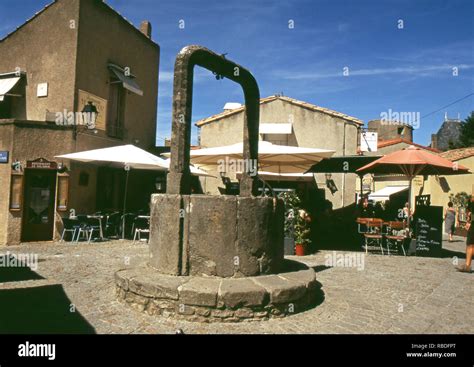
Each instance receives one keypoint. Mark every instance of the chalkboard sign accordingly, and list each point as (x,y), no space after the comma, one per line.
(423,200)
(428,229)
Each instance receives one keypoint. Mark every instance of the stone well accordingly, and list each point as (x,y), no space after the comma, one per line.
(224,236)
(215,258)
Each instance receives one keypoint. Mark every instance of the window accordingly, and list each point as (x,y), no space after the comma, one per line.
(16,192)
(63,192)
(278,139)
(116,109)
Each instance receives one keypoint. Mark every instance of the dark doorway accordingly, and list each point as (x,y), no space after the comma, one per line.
(38,212)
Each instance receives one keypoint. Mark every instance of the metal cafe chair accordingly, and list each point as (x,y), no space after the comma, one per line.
(126,224)
(112,225)
(362,225)
(374,235)
(94,225)
(141,225)
(70,226)
(83,228)
(397,240)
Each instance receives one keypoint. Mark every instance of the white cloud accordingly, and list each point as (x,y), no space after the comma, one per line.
(408,70)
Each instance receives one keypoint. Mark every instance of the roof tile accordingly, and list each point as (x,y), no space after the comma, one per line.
(386,143)
(457,154)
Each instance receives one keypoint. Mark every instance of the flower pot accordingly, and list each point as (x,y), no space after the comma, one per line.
(299,249)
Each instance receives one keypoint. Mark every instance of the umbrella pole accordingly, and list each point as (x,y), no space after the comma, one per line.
(409,201)
(125,204)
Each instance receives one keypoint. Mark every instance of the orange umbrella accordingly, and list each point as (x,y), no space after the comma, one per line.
(411,162)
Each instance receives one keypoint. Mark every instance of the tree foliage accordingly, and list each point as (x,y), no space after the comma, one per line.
(466,138)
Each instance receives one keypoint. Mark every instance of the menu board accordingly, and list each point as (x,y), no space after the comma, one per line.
(428,229)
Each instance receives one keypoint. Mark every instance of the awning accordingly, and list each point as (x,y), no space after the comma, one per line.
(128,82)
(386,192)
(275,129)
(342,164)
(6,85)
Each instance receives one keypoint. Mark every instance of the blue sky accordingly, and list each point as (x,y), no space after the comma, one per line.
(403,70)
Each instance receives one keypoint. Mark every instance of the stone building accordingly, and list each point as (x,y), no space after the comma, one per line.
(287,121)
(389,130)
(74,56)
(448,134)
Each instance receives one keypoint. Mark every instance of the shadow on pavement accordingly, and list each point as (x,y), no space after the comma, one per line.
(320,296)
(40,310)
(15,273)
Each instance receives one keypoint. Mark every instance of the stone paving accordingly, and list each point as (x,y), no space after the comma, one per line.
(391,294)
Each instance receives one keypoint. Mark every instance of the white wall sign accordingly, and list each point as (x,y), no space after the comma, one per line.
(42,90)
(368,142)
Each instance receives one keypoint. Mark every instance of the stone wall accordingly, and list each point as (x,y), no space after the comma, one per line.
(211,299)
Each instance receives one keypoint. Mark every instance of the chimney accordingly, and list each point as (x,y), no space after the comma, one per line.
(145,28)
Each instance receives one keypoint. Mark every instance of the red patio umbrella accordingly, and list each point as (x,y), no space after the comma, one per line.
(411,162)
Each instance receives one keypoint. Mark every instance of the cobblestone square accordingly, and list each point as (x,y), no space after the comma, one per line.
(390,294)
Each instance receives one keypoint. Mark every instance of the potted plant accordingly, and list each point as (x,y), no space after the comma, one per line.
(297,225)
(302,232)
(460,201)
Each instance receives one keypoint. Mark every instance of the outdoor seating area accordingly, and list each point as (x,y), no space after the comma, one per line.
(103,226)
(379,233)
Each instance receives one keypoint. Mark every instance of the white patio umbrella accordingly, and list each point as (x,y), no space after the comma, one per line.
(125,156)
(128,157)
(274,158)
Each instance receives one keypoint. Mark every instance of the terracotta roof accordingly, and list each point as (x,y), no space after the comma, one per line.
(457,154)
(296,102)
(103,3)
(386,143)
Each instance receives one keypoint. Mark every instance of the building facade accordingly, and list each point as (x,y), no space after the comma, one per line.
(441,187)
(389,130)
(72,60)
(287,121)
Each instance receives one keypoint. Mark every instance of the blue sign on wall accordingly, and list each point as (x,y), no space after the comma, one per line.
(4,156)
